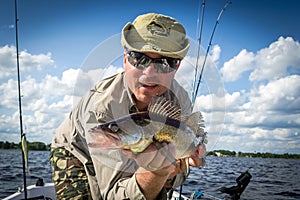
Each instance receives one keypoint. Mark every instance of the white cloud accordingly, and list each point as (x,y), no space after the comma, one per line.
(282,95)
(29,62)
(266,116)
(269,63)
(82,81)
(45,102)
(210,103)
(215,55)
(8,63)
(264,119)
(9,94)
(38,97)
(233,69)
(273,62)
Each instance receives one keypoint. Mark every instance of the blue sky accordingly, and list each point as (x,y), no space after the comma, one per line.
(255,53)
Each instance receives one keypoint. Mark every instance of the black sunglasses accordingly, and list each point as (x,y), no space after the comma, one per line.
(161,65)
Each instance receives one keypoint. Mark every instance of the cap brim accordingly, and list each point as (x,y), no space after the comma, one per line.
(138,44)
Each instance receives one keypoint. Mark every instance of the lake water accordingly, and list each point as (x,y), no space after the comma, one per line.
(11,176)
(271,178)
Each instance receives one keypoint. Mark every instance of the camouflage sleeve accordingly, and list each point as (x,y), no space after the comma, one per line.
(69,176)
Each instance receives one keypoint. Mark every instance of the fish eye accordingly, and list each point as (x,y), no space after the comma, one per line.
(113,127)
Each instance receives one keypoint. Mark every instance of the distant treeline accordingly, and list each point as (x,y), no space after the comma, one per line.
(226,153)
(30,145)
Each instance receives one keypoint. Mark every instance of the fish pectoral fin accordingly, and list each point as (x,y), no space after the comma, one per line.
(140,146)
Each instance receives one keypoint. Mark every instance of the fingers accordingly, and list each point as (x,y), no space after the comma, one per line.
(198,158)
(201,150)
(181,166)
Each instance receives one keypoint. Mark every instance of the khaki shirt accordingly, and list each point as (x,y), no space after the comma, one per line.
(110,173)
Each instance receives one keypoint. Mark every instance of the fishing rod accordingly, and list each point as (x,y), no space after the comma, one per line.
(196,69)
(206,54)
(199,46)
(195,91)
(23,138)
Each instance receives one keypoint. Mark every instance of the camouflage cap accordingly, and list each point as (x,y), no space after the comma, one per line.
(156,33)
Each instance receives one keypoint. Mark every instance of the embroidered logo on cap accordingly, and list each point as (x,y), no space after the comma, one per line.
(158,29)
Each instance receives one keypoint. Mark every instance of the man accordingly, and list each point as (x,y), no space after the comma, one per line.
(154,45)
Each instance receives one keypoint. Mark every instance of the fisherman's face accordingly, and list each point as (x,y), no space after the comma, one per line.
(147,83)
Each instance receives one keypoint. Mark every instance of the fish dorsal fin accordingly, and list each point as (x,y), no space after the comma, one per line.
(195,119)
(164,107)
(196,122)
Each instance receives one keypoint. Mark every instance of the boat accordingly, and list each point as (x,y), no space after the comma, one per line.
(36,192)
(47,191)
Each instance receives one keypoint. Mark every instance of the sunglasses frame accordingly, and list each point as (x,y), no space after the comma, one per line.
(161,65)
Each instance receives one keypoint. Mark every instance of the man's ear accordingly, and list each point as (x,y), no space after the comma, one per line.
(124,57)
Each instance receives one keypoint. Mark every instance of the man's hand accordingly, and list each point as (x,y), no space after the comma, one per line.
(198,158)
(195,160)
(155,166)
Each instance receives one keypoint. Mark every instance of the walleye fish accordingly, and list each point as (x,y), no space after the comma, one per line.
(162,122)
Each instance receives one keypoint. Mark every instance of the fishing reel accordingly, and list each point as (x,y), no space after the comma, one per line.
(235,192)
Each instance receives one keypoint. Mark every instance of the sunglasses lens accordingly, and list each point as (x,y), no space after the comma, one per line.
(133,58)
(144,61)
(162,65)
(138,60)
